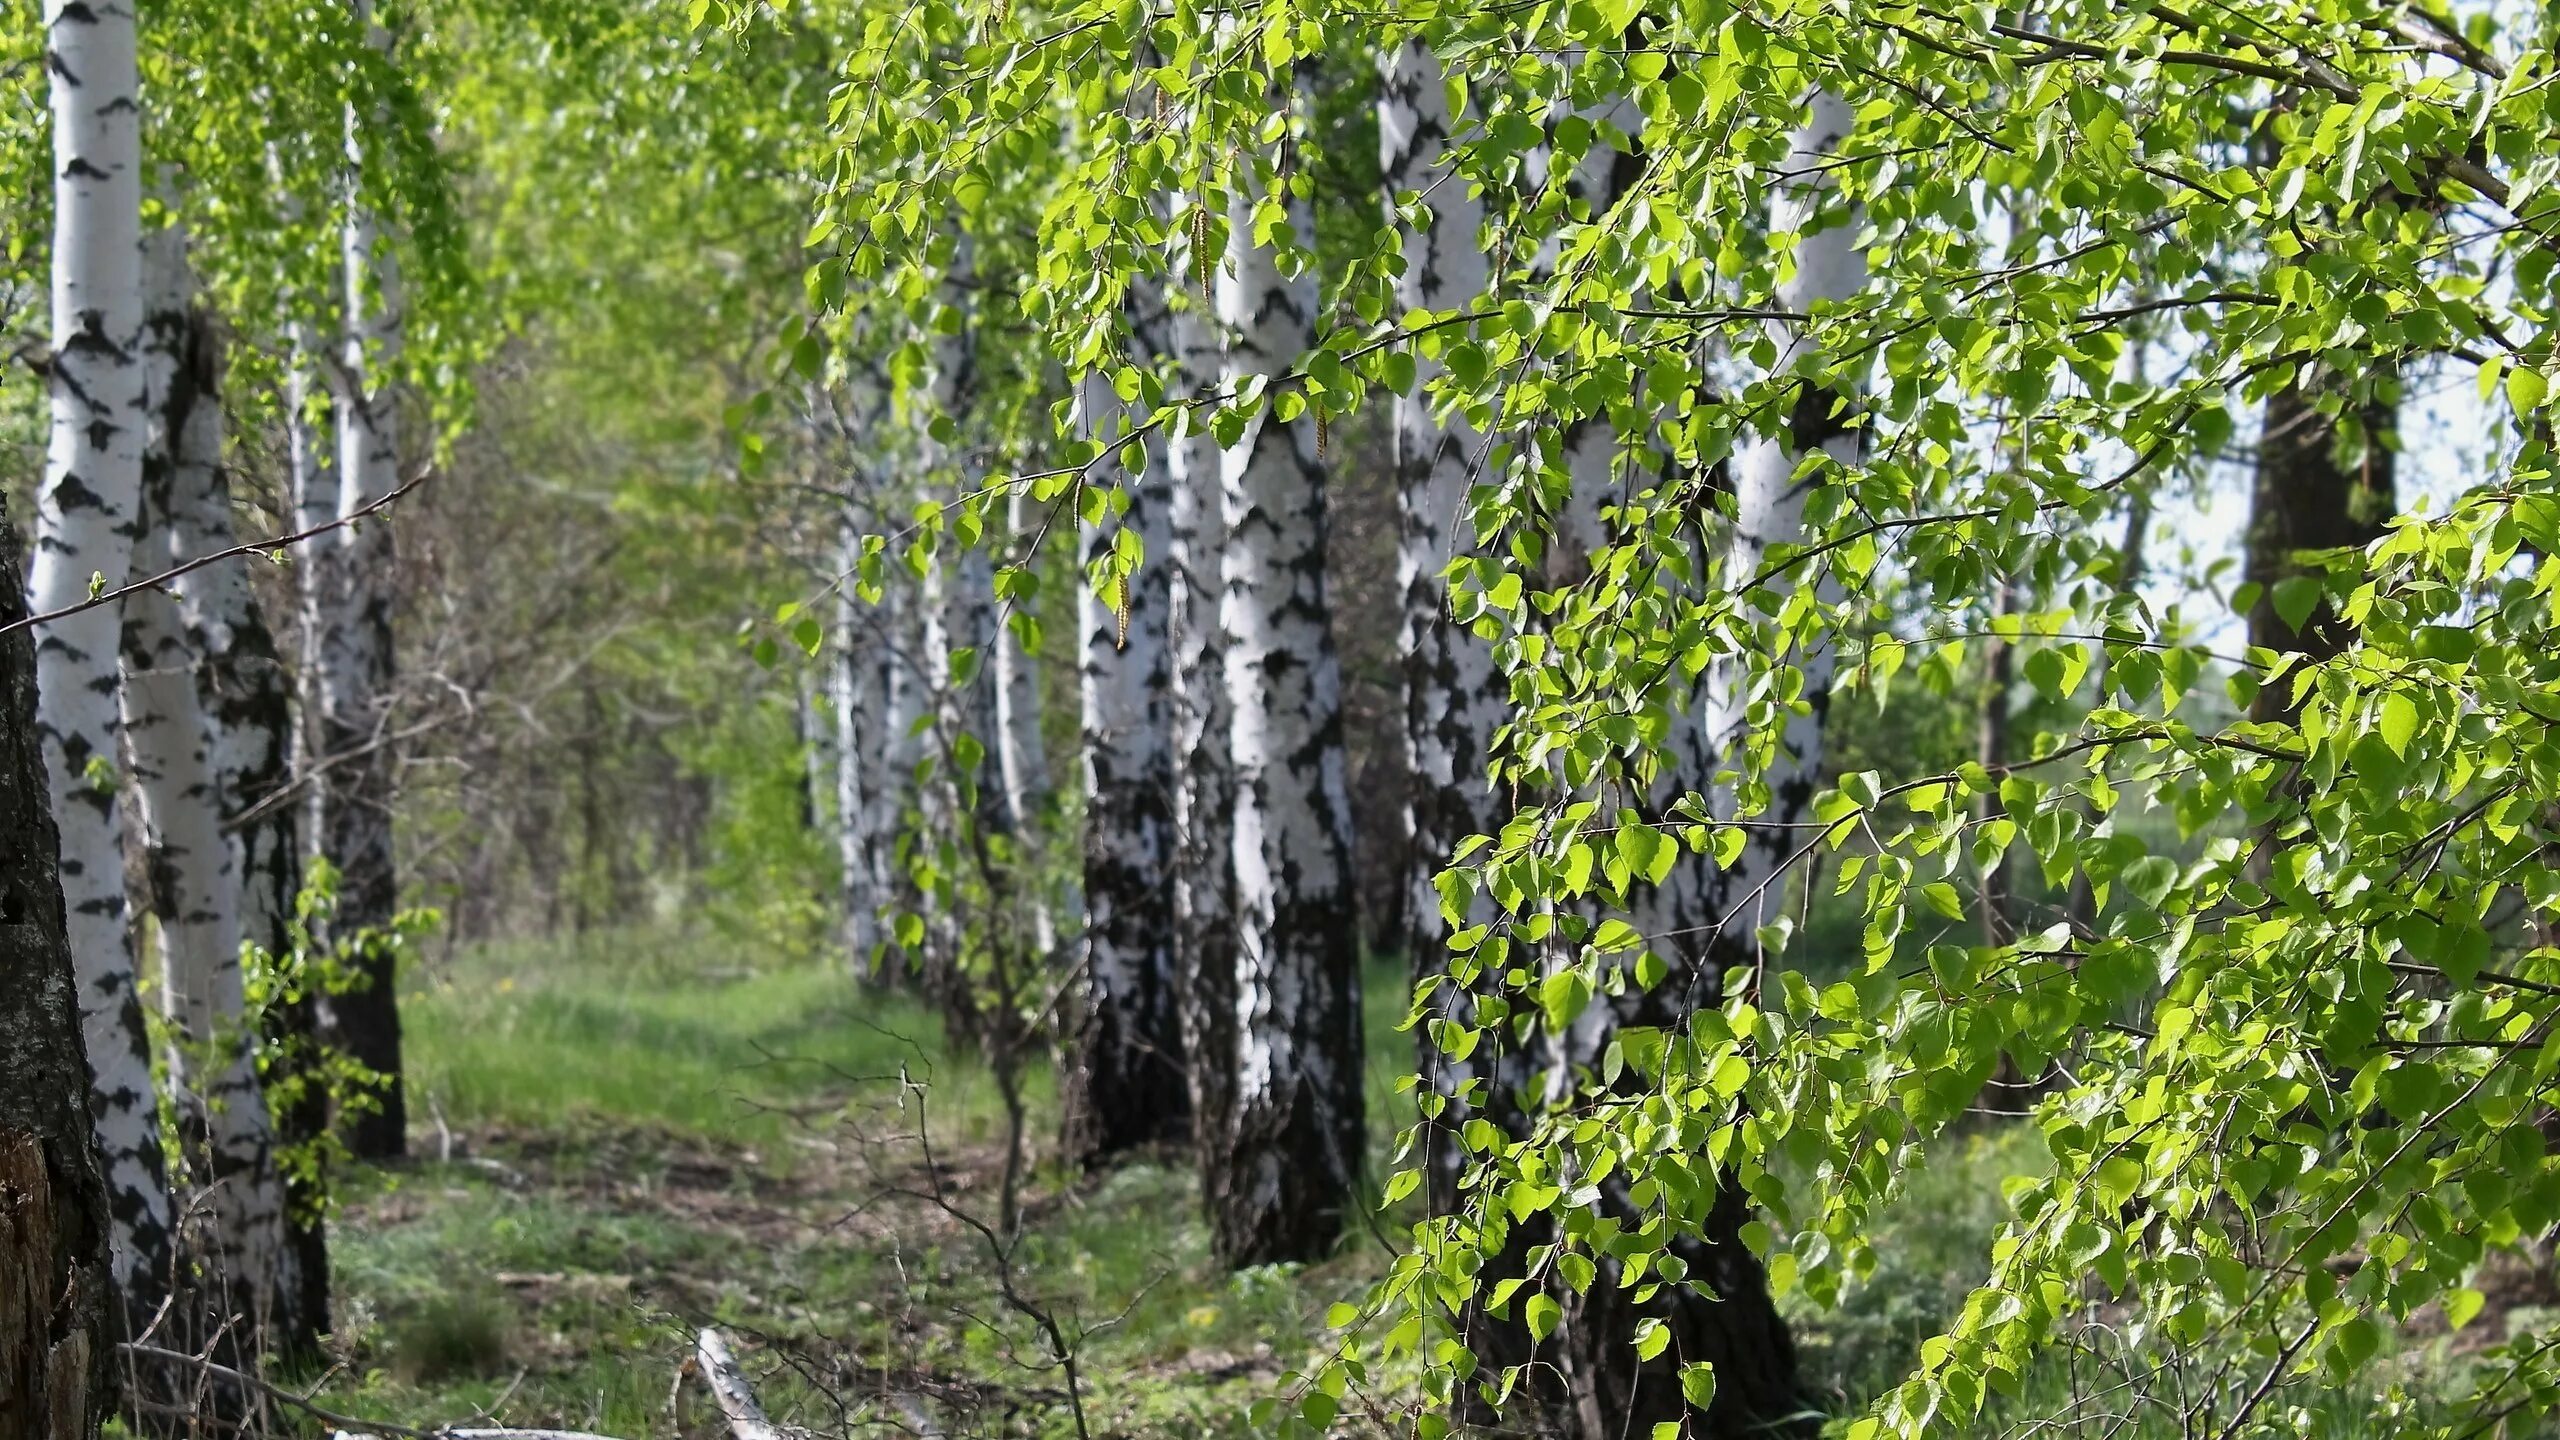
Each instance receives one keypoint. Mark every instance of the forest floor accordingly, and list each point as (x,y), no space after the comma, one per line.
(619,1140)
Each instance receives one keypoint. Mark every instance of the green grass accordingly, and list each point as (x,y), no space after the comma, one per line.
(649,1132)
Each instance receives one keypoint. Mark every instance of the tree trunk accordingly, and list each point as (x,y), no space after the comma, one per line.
(853,689)
(1724,1315)
(1022,757)
(353,659)
(57,1288)
(246,698)
(1125,1086)
(238,1248)
(2319,486)
(1290,1157)
(894,802)
(87,512)
(1204,938)
(1454,699)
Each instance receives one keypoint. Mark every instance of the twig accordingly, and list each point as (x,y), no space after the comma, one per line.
(255,547)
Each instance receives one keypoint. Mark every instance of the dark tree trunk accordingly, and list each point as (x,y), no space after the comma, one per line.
(57,1326)
(2323,483)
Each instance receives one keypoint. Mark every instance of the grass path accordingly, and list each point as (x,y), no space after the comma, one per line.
(624,1139)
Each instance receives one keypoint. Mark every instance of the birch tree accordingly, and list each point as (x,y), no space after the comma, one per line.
(1126,1085)
(1203,870)
(245,695)
(1283,1174)
(88,510)
(57,1289)
(193,866)
(351,649)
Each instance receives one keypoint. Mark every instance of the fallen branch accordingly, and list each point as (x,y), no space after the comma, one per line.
(728,1385)
(346,1427)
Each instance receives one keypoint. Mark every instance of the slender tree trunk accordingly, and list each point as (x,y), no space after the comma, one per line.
(246,697)
(87,513)
(852,679)
(1991,748)
(1204,937)
(1022,756)
(58,1326)
(1290,1157)
(1125,1085)
(354,658)
(894,802)
(195,881)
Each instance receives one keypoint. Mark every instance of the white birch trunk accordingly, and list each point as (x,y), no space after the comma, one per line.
(1294,1134)
(1454,696)
(1769,495)
(1125,1088)
(852,680)
(1022,757)
(1204,779)
(895,802)
(354,653)
(87,513)
(194,865)
(246,698)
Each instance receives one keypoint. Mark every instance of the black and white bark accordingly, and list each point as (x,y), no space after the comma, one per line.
(1204,937)
(58,1324)
(351,652)
(247,699)
(1454,698)
(1285,1174)
(1021,755)
(88,510)
(857,752)
(235,1240)
(1125,1085)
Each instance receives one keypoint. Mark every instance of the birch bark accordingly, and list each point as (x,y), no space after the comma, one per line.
(193,864)
(353,656)
(88,510)
(1287,1170)
(1723,1314)
(1125,1087)
(1204,780)
(246,697)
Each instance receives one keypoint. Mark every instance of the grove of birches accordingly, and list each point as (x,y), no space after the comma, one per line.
(1701,718)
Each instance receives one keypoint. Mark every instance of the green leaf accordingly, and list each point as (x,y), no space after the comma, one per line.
(1541,1314)
(2526,389)
(2463,1306)
(2398,721)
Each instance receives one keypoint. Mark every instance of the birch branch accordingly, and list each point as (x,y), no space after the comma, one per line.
(728,1385)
